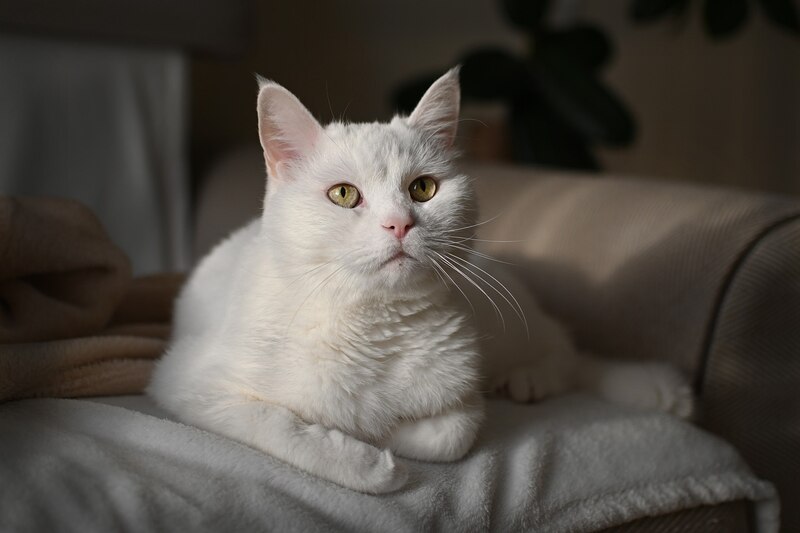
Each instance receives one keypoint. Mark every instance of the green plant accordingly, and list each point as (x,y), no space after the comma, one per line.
(558,107)
(721,18)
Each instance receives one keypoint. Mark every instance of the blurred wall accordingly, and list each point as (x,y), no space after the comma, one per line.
(714,112)
(103,124)
(339,57)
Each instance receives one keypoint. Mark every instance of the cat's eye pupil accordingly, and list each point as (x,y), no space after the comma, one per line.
(344,195)
(422,189)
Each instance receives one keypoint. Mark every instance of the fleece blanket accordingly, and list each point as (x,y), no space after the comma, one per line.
(60,276)
(72,322)
(117,358)
(568,464)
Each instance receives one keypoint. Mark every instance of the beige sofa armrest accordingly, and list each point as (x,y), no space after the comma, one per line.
(751,383)
(707,278)
(636,268)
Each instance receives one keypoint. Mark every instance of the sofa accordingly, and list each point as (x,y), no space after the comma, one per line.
(705,278)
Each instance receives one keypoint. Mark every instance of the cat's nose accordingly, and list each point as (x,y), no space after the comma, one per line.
(399,225)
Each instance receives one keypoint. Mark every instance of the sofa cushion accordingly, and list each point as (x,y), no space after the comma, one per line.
(569,464)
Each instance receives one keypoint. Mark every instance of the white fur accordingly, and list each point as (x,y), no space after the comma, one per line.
(300,336)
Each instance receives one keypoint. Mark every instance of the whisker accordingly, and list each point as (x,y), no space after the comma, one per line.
(452,239)
(482,123)
(301,276)
(328,97)
(475,284)
(297,277)
(341,119)
(443,271)
(316,288)
(335,298)
(436,271)
(475,225)
(477,253)
(520,312)
(461,244)
(492,240)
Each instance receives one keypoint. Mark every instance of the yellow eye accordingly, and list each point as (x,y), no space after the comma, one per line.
(344,195)
(422,189)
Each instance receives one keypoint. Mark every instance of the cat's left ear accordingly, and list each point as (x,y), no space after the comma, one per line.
(288,131)
(437,111)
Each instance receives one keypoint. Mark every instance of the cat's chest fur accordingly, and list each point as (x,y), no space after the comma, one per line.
(360,366)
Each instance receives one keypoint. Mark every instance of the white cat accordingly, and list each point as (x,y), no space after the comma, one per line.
(334,332)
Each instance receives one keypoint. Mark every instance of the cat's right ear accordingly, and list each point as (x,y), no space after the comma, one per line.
(437,111)
(288,131)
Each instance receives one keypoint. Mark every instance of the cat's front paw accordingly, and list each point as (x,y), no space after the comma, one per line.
(441,438)
(385,474)
(526,383)
(675,395)
(650,386)
(352,463)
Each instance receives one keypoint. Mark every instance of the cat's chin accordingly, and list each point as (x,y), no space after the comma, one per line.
(399,260)
(399,265)
(402,271)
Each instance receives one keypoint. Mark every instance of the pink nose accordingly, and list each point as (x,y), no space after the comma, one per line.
(399,225)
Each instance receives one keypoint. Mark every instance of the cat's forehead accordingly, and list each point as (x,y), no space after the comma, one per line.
(376,135)
(380,151)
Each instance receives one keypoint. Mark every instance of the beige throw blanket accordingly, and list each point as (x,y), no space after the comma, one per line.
(72,322)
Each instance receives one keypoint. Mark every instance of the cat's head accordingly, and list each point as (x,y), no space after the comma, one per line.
(381,203)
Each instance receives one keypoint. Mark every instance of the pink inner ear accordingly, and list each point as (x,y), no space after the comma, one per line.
(441,126)
(444,129)
(276,155)
(280,151)
(287,130)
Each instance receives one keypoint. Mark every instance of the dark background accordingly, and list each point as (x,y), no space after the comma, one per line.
(128,105)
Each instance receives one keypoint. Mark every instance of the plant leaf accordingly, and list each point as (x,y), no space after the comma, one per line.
(526,14)
(782,13)
(407,95)
(539,136)
(586,44)
(491,74)
(651,10)
(581,100)
(723,18)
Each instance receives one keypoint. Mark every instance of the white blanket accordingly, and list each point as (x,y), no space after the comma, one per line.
(570,464)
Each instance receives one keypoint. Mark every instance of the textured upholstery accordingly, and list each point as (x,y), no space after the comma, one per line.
(635,267)
(750,390)
(705,277)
